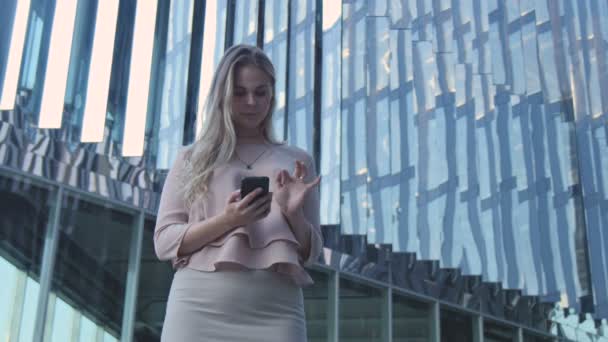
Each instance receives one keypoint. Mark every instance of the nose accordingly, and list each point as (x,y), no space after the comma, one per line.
(250,99)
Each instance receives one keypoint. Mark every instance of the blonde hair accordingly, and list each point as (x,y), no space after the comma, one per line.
(217,141)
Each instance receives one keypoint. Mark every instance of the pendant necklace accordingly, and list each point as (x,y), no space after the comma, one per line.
(249,166)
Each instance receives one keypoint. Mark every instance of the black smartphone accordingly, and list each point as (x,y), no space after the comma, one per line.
(248,184)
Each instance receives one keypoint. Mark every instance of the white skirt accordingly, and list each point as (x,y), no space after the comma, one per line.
(255,305)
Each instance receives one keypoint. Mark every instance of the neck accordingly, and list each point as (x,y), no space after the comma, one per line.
(250,138)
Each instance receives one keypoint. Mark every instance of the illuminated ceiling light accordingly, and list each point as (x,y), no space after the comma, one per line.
(207,62)
(11,77)
(53,94)
(139,79)
(100,69)
(332,11)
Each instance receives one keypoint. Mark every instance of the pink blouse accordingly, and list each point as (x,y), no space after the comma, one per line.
(265,244)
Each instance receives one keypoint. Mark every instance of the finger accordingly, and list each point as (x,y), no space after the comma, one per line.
(262,211)
(262,208)
(246,201)
(314,183)
(260,202)
(286,177)
(297,172)
(302,171)
(283,177)
(235,196)
(279,179)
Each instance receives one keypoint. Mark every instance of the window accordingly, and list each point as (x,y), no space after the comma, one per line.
(92,261)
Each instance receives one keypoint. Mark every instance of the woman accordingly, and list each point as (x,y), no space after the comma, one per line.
(239,262)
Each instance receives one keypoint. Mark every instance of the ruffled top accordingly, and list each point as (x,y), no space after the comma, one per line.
(265,244)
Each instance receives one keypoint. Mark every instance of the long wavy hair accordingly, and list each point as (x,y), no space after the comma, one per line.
(216,142)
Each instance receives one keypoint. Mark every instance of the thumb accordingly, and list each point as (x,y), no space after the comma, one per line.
(315,182)
(235,196)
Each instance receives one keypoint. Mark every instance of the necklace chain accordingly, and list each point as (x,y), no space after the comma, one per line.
(250,165)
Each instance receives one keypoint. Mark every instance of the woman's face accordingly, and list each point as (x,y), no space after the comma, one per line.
(251,98)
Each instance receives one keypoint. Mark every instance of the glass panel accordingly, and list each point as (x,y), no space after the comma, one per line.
(355,204)
(8,296)
(171,106)
(7,16)
(330,114)
(496,332)
(25,210)
(499,68)
(411,320)
(118,82)
(456,326)
(530,48)
(275,45)
(360,138)
(402,13)
(63,320)
(220,31)
(107,337)
(378,52)
(154,283)
(246,22)
(80,58)
(360,312)
(35,52)
(30,305)
(92,260)
(377,8)
(517,68)
(425,76)
(532,338)
(378,65)
(301,74)
(548,68)
(347,218)
(88,330)
(214,38)
(359,53)
(315,305)
(491,169)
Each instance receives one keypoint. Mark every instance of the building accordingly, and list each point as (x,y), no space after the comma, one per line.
(462,146)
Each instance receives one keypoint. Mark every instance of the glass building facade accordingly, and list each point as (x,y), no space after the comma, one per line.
(462,147)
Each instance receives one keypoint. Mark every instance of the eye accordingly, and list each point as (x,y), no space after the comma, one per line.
(261,93)
(239,92)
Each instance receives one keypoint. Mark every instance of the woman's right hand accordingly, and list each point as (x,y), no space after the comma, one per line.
(240,212)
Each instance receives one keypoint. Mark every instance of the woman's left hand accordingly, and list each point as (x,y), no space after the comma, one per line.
(291,190)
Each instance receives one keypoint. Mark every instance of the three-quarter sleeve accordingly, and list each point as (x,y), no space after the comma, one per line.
(172,217)
(311,212)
